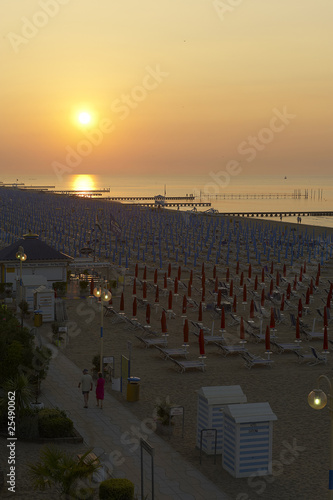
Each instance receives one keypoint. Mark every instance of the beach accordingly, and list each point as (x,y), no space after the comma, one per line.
(300,434)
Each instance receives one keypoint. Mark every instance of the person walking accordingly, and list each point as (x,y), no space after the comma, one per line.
(100,390)
(87,386)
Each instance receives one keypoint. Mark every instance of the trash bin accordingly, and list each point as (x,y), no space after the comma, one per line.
(38,319)
(133,389)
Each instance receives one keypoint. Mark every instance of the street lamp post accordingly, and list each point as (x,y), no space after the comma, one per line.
(22,257)
(105,295)
(317,399)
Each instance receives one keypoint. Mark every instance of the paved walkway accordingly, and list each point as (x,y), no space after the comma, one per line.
(114,434)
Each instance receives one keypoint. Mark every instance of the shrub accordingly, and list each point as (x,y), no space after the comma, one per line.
(53,423)
(116,489)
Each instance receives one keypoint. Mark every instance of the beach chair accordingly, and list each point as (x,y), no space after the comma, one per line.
(199,327)
(189,365)
(168,353)
(235,320)
(279,317)
(285,347)
(231,349)
(318,358)
(303,356)
(160,341)
(252,360)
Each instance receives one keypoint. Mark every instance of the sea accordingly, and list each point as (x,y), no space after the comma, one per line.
(226,193)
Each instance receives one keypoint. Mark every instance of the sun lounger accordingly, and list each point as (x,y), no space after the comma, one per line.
(231,349)
(252,360)
(168,353)
(318,357)
(188,365)
(161,341)
(285,347)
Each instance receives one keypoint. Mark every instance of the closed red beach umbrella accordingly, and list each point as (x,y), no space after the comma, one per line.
(185,331)
(145,273)
(201,343)
(136,270)
(169,270)
(184,305)
(157,295)
(203,294)
(272,267)
(271,287)
(252,309)
(284,270)
(179,273)
(155,277)
(272,321)
(317,280)
(134,307)
(325,317)
(250,271)
(191,277)
(189,289)
(267,339)
(214,272)
(256,283)
(200,313)
(241,281)
(164,323)
(241,329)
(144,290)
(304,268)
(262,302)
(263,275)
(307,297)
(227,275)
(170,301)
(165,283)
(295,283)
(203,269)
(311,287)
(300,308)
(231,289)
(325,342)
(134,288)
(282,303)
(277,278)
(328,303)
(176,286)
(223,319)
(300,275)
(203,280)
(318,272)
(234,305)
(148,314)
(122,302)
(237,267)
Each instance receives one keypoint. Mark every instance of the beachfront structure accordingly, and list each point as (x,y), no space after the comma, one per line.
(248,439)
(42,260)
(211,403)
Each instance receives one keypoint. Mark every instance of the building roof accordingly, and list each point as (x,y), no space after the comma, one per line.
(34,248)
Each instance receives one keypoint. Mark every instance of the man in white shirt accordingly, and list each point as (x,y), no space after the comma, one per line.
(87,385)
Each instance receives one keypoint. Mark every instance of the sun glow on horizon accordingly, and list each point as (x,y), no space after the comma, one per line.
(83,183)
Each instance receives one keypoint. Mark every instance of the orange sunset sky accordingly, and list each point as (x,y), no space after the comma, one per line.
(176,85)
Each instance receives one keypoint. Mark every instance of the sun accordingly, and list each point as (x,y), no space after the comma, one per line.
(84,118)
(83,183)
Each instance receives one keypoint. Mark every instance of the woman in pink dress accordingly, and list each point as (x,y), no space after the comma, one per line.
(100,390)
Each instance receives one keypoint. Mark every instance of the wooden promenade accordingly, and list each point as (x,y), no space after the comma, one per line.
(146,198)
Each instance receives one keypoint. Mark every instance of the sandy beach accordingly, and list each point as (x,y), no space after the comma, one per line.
(300,434)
